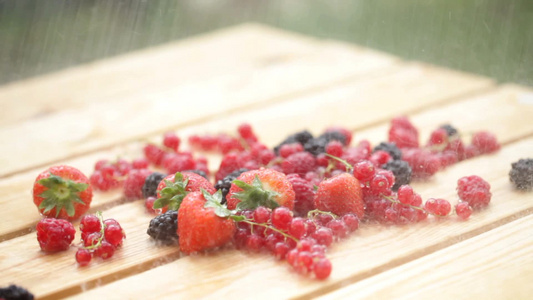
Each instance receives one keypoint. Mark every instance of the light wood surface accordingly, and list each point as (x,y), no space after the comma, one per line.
(279,82)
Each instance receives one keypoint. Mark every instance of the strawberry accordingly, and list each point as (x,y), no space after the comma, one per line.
(340,195)
(62,192)
(263,187)
(172,189)
(200,228)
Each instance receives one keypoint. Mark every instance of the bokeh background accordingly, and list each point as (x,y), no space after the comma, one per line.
(489,37)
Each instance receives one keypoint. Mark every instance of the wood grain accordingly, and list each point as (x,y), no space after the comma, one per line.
(244,47)
(371,251)
(97,125)
(494,265)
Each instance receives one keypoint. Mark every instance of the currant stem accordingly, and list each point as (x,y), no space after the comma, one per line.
(102,232)
(266,225)
(398,202)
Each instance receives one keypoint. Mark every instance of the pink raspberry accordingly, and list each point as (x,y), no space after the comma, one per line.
(485,142)
(299,163)
(474,190)
(403,133)
(134,183)
(304,192)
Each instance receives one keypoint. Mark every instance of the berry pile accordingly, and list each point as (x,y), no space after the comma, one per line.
(99,238)
(293,200)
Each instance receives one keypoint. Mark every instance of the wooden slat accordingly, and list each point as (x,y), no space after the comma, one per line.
(147,71)
(429,86)
(497,264)
(372,250)
(78,130)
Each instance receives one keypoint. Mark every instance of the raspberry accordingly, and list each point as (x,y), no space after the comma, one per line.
(153,154)
(485,142)
(403,133)
(287,149)
(450,130)
(423,163)
(179,163)
(133,185)
(55,234)
(140,163)
(390,148)
(151,182)
(13,292)
(164,227)
(299,163)
(304,194)
(521,174)
(474,190)
(172,141)
(246,132)
(401,170)
(225,183)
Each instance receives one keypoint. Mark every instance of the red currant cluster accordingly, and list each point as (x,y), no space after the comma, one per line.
(99,238)
(301,241)
(443,148)
(108,175)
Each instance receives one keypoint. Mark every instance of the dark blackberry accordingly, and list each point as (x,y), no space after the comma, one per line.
(301,137)
(521,174)
(401,170)
(199,172)
(150,184)
(449,129)
(14,292)
(390,148)
(225,184)
(164,227)
(318,145)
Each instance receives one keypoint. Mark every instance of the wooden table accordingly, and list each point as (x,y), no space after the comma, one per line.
(280,83)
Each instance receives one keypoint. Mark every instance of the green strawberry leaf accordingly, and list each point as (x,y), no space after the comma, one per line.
(215,201)
(173,193)
(254,195)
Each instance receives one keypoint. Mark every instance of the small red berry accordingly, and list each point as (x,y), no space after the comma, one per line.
(90,223)
(463,210)
(55,234)
(298,228)
(323,236)
(351,221)
(322,268)
(261,214)
(114,235)
(83,257)
(172,141)
(281,218)
(105,251)
(364,170)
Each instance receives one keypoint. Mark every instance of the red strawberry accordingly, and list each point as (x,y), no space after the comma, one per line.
(200,228)
(340,195)
(62,192)
(263,187)
(172,189)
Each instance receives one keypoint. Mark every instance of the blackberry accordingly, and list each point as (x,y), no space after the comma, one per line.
(521,174)
(14,292)
(301,137)
(199,172)
(401,170)
(318,145)
(164,227)
(225,184)
(150,184)
(390,148)
(449,129)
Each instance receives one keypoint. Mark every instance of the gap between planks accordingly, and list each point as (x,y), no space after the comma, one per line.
(93,127)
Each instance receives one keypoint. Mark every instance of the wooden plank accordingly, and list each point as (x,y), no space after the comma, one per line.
(428,86)
(97,125)
(244,47)
(497,264)
(372,250)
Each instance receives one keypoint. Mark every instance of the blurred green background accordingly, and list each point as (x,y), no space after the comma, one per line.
(489,37)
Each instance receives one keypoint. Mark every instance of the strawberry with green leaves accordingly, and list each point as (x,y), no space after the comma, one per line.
(203,222)
(62,192)
(263,187)
(172,189)
(340,195)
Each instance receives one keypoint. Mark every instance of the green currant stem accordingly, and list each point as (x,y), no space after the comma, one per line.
(247,221)
(313,213)
(102,232)
(398,202)
(349,168)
